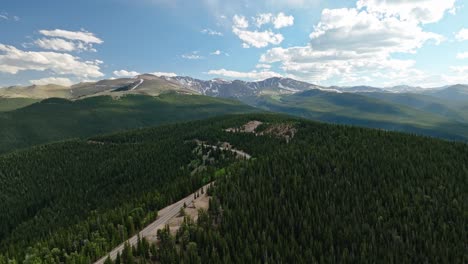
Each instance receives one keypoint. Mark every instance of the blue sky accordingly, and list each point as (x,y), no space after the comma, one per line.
(369,42)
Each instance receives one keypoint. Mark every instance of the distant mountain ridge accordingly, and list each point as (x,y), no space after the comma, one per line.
(440,112)
(153,85)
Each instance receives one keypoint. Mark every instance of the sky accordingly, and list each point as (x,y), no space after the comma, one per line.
(355,42)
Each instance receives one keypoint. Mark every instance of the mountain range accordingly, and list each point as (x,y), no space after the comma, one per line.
(152,85)
(29,115)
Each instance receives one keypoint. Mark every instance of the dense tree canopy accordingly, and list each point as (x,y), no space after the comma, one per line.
(332,194)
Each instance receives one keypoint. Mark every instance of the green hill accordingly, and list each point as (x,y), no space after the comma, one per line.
(337,195)
(360,110)
(57,119)
(332,194)
(9,104)
(427,103)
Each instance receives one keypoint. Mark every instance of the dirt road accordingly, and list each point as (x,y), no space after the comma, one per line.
(164,215)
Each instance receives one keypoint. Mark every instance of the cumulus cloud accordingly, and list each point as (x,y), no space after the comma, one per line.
(462,35)
(64,40)
(125,73)
(13,60)
(55,44)
(83,36)
(240,21)
(258,39)
(261,39)
(263,19)
(254,75)
(58,44)
(279,21)
(52,80)
(216,52)
(424,11)
(282,20)
(356,45)
(167,74)
(364,32)
(211,32)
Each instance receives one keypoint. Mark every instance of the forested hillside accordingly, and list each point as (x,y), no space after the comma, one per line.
(333,194)
(57,119)
(340,195)
(395,112)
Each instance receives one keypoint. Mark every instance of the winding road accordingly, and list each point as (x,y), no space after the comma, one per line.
(239,153)
(165,214)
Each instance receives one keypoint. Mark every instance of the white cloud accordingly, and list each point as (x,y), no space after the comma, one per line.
(462,55)
(279,21)
(263,19)
(218,53)
(282,20)
(240,22)
(83,36)
(13,60)
(350,29)
(52,80)
(263,66)
(211,32)
(64,40)
(125,74)
(424,11)
(254,75)
(167,74)
(351,45)
(3,17)
(55,44)
(192,56)
(462,35)
(258,39)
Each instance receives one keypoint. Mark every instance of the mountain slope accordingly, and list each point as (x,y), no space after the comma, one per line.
(355,109)
(240,89)
(9,104)
(456,93)
(57,119)
(423,102)
(36,91)
(437,112)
